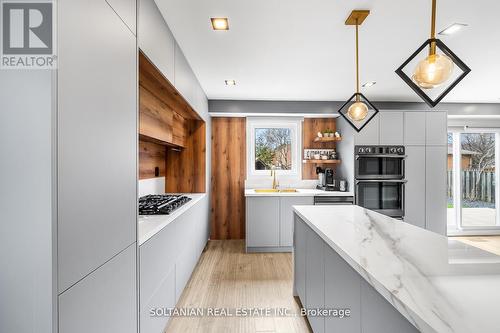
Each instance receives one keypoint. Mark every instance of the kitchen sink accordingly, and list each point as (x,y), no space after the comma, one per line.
(271,190)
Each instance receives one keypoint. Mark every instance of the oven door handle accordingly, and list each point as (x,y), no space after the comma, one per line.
(382,155)
(402,181)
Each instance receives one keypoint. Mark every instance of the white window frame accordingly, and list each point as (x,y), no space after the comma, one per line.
(457,181)
(295,126)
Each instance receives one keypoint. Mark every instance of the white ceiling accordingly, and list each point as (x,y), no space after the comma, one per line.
(301,50)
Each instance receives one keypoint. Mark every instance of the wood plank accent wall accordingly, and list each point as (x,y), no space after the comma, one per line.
(228,178)
(151,155)
(186,167)
(172,135)
(310,130)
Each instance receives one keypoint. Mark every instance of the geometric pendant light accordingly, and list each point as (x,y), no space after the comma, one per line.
(357,110)
(437,72)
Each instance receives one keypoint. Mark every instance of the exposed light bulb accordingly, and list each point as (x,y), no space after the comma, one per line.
(433,71)
(357,111)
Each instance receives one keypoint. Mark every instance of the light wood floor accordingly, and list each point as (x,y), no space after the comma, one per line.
(227,277)
(487,243)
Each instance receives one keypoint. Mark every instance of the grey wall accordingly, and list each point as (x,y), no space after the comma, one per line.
(239,106)
(27,223)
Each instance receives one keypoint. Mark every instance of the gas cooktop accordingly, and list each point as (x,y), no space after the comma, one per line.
(161,204)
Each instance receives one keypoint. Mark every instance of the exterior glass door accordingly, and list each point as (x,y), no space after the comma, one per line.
(472,178)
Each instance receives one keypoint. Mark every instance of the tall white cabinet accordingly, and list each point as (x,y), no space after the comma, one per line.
(423,133)
(97,158)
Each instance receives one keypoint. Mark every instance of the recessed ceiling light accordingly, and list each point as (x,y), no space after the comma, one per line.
(230,82)
(455,27)
(369,84)
(220,23)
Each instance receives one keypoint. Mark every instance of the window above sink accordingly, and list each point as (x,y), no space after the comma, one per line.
(273,144)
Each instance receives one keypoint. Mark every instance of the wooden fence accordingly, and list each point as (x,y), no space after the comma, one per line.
(485,186)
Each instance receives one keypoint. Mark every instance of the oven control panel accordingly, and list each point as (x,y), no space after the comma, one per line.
(379,150)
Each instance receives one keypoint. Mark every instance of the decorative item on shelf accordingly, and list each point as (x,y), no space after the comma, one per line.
(320,135)
(337,135)
(319,154)
(357,110)
(435,69)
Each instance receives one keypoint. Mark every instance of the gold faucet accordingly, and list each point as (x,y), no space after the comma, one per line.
(273,174)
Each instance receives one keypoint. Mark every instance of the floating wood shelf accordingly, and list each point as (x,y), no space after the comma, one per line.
(321,161)
(323,139)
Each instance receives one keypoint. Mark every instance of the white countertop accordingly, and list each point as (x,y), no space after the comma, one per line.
(304,192)
(440,285)
(149,225)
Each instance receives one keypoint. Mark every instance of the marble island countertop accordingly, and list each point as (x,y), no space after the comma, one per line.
(439,285)
(301,192)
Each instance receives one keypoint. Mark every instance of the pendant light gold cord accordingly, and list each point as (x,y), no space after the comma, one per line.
(357,60)
(432,49)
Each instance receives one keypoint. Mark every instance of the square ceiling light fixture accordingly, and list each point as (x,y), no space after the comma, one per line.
(433,70)
(230,82)
(220,23)
(454,28)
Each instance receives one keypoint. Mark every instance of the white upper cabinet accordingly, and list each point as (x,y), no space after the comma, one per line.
(185,80)
(369,135)
(155,39)
(436,127)
(415,128)
(126,9)
(391,128)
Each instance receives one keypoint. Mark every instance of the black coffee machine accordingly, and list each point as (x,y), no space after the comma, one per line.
(328,182)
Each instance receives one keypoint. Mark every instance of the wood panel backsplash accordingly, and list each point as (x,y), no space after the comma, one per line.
(228,178)
(186,168)
(310,131)
(151,156)
(172,135)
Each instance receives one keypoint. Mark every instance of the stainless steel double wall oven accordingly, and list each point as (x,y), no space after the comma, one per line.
(380,178)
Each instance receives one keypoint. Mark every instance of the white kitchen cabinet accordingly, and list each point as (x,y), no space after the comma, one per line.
(435,188)
(315,278)
(164,297)
(370,134)
(378,315)
(299,259)
(97,138)
(185,80)
(342,291)
(414,128)
(331,283)
(126,9)
(436,128)
(155,38)
(157,257)
(286,217)
(391,128)
(167,261)
(263,222)
(415,168)
(105,300)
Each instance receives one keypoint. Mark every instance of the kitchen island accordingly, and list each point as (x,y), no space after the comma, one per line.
(391,276)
